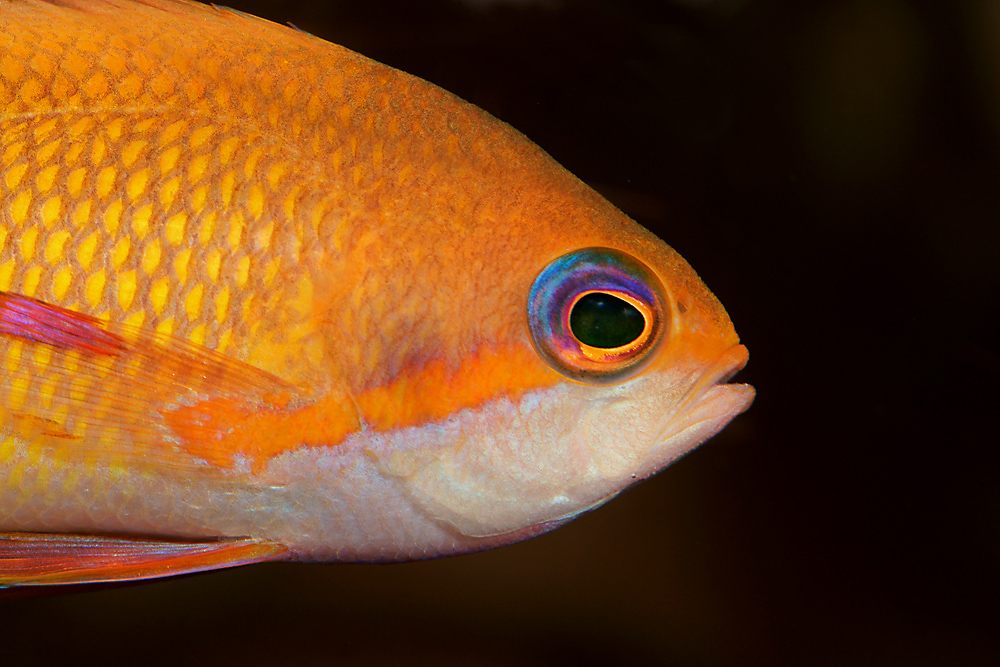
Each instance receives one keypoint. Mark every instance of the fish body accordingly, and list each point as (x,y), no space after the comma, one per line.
(264,298)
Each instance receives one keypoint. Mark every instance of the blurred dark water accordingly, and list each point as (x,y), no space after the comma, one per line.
(831,170)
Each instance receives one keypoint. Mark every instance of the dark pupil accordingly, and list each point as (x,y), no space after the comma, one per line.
(605,321)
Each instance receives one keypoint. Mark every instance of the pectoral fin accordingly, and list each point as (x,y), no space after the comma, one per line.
(35,559)
(86,386)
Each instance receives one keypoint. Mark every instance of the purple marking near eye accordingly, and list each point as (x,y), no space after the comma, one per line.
(556,289)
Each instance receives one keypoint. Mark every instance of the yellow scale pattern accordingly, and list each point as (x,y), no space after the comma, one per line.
(127,195)
(101,215)
(169,180)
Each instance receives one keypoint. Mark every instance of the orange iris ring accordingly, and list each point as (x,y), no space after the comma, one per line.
(622,353)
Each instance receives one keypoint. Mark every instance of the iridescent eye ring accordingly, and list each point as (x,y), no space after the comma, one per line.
(597,315)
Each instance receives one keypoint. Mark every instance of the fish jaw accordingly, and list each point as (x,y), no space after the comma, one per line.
(520,467)
(710,404)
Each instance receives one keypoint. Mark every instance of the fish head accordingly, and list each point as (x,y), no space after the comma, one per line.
(537,352)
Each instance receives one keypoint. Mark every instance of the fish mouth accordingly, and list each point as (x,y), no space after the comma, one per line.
(729,363)
(710,403)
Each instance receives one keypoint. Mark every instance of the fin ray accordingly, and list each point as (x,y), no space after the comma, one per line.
(34,559)
(73,381)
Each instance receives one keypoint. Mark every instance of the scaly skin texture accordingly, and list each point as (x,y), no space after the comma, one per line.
(347,247)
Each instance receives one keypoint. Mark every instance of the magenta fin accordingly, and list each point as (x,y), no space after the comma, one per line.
(127,379)
(36,559)
(34,320)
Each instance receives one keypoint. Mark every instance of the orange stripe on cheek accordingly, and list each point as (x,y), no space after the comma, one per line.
(222,430)
(434,391)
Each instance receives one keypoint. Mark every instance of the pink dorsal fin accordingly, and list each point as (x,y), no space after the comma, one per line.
(34,559)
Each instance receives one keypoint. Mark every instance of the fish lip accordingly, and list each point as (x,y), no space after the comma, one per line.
(729,363)
(719,372)
(709,387)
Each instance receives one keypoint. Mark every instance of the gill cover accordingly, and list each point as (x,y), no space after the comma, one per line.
(597,315)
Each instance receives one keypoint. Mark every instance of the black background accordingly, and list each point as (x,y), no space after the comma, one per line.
(831,170)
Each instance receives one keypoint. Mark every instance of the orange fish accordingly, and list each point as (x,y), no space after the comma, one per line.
(262,298)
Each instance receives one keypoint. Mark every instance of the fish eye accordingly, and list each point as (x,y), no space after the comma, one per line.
(601,319)
(597,315)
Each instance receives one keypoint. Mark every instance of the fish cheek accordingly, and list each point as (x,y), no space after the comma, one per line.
(503,467)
